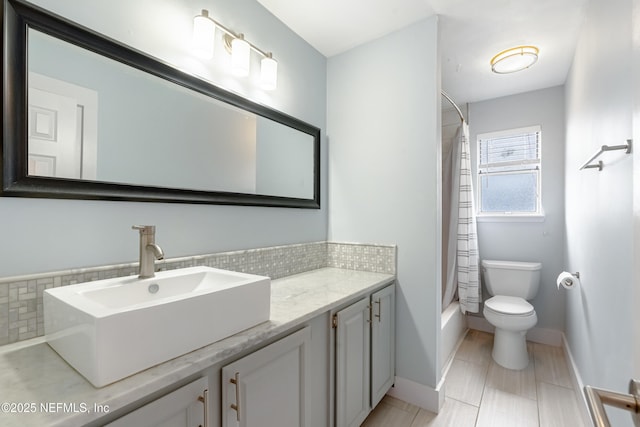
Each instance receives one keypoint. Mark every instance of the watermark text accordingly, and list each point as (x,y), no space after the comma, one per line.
(53,407)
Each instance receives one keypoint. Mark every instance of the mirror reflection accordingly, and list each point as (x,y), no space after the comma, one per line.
(95,119)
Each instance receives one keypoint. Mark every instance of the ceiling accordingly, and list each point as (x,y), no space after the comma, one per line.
(471,33)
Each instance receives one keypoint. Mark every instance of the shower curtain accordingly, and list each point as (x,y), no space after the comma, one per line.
(461,272)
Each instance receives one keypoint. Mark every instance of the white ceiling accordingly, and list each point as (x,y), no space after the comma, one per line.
(471,32)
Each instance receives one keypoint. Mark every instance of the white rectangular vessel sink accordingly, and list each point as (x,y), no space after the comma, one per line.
(110,329)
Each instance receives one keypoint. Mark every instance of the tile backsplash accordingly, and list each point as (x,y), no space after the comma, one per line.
(21,308)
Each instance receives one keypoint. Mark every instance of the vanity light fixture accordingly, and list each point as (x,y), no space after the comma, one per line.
(204,29)
(268,72)
(240,56)
(240,49)
(515,59)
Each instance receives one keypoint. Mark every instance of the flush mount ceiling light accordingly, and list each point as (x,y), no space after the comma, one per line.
(240,49)
(515,59)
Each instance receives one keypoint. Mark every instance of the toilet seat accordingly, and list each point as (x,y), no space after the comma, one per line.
(510,306)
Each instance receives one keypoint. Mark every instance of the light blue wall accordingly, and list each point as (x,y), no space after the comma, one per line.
(284,160)
(383,131)
(530,241)
(46,235)
(599,205)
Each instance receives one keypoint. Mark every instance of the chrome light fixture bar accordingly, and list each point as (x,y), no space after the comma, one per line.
(515,59)
(240,48)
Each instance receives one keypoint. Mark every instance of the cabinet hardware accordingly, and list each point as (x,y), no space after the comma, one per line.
(236,406)
(370,309)
(205,401)
(379,315)
(334,321)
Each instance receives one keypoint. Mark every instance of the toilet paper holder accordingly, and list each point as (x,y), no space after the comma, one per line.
(567,280)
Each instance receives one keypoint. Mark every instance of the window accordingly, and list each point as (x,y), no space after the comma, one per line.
(509,172)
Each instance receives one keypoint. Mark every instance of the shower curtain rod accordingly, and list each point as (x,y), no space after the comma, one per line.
(443,93)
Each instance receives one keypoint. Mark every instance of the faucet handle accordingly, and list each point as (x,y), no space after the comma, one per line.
(144,229)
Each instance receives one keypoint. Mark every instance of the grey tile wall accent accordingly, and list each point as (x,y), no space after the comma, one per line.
(364,257)
(275,262)
(21,307)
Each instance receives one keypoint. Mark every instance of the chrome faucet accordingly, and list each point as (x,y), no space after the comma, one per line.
(149,250)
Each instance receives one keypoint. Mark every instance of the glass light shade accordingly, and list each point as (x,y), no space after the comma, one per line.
(204,30)
(514,59)
(268,73)
(240,56)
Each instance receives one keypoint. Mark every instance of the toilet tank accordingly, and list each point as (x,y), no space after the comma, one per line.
(512,278)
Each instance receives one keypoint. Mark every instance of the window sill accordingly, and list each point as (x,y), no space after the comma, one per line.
(509,218)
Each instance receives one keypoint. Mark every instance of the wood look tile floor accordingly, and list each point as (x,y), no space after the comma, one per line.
(481,393)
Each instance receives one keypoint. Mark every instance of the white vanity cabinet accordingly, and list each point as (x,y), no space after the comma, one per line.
(383,343)
(364,355)
(329,370)
(269,387)
(184,407)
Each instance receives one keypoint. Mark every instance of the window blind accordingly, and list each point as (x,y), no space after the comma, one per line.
(504,152)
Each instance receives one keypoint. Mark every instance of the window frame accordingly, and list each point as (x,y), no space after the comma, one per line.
(538,214)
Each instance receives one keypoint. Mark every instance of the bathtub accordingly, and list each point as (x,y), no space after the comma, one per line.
(453,330)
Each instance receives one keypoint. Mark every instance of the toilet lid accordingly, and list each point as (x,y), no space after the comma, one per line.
(514,306)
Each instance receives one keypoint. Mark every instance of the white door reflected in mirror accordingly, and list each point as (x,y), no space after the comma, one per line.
(62,129)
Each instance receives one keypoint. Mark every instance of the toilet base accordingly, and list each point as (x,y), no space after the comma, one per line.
(510,349)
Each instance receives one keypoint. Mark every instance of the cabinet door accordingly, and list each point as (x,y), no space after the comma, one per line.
(352,364)
(181,408)
(268,387)
(383,348)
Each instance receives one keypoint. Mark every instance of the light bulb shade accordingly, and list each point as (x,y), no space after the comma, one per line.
(240,56)
(204,30)
(514,59)
(268,73)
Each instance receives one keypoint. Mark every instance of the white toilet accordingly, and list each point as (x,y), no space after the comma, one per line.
(511,284)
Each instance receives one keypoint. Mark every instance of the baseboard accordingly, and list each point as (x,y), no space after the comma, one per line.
(540,335)
(418,394)
(545,336)
(576,380)
(479,323)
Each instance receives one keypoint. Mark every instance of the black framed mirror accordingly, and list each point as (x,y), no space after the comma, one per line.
(86,117)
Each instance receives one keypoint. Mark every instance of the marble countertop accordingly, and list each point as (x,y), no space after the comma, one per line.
(37,387)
